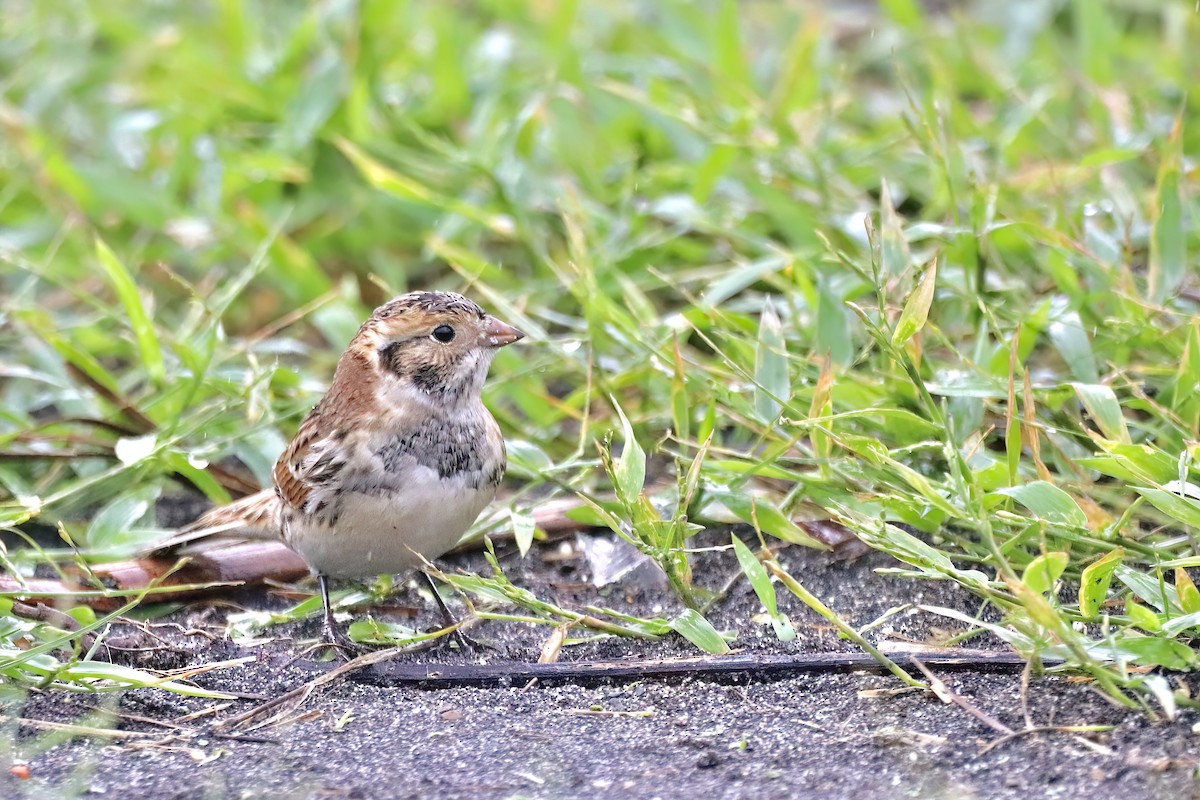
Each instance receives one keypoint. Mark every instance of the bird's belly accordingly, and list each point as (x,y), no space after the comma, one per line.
(375,534)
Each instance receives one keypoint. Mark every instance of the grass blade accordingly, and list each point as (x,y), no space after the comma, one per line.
(772,387)
(691,625)
(761,582)
(916,308)
(139,318)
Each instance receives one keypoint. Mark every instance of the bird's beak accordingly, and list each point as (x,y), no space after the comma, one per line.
(498,334)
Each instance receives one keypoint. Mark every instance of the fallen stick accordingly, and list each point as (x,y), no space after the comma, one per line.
(740,665)
(379,668)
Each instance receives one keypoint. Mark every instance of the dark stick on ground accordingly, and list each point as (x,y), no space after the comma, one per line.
(736,666)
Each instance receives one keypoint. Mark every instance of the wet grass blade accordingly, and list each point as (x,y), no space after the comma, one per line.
(761,581)
(138,317)
(772,386)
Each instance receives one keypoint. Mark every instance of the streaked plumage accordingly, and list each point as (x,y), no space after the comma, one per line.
(400,455)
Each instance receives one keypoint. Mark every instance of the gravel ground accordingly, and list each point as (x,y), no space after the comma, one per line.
(816,735)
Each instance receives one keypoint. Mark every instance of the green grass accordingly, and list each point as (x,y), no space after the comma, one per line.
(904,268)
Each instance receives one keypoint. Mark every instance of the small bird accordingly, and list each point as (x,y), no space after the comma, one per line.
(397,459)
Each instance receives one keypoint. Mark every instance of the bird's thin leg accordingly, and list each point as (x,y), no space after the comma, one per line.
(330,623)
(333,635)
(463,642)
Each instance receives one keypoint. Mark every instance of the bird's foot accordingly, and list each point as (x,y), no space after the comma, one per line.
(464,644)
(335,640)
(338,642)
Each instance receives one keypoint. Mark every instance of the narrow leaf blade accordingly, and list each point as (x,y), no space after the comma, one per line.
(692,626)
(139,318)
(1047,502)
(916,308)
(771,383)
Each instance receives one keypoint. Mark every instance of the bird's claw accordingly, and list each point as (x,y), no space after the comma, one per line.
(341,644)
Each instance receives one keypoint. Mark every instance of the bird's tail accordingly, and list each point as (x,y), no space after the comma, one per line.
(257,517)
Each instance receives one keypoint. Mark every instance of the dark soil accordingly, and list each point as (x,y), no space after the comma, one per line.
(812,735)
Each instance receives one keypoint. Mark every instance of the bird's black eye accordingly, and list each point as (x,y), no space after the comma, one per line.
(443,333)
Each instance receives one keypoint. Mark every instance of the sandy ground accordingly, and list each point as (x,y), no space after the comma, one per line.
(812,735)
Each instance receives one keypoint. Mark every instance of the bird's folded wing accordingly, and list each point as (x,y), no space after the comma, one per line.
(311,468)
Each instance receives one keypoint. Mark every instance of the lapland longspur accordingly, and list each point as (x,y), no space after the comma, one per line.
(396,460)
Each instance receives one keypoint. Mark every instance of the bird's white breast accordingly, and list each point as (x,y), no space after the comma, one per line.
(375,533)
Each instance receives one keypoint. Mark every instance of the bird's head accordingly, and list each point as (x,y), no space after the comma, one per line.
(439,343)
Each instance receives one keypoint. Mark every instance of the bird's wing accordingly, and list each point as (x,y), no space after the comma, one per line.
(306,473)
(310,469)
(256,517)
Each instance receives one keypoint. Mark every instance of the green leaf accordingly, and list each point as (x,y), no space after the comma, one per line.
(139,318)
(916,308)
(894,255)
(833,329)
(772,387)
(691,479)
(905,547)
(593,514)
(111,526)
(84,615)
(731,67)
(1186,591)
(1150,589)
(1153,651)
(630,468)
(1047,502)
(1039,609)
(1177,625)
(1094,582)
(926,488)
(708,422)
(1110,465)
(1149,464)
(761,581)
(127,677)
(906,13)
(1142,617)
(681,402)
(1071,340)
(1168,240)
(710,170)
(527,459)
(1102,405)
(391,634)
(1096,37)
(1183,509)
(761,513)
(523,526)
(691,625)
(797,84)
(966,384)
(392,182)
(1045,570)
(201,478)
(737,277)
(310,108)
